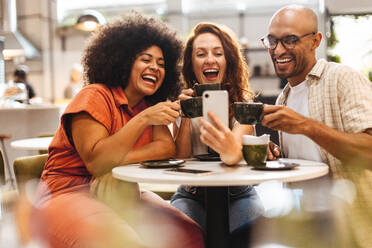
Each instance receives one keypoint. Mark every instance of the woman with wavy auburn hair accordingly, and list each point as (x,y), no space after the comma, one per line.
(236,77)
(212,55)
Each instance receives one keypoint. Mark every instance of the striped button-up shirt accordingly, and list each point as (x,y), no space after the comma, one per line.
(339,97)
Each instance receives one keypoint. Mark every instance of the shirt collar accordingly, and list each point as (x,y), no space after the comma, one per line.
(119,96)
(286,90)
(315,72)
(317,69)
(121,100)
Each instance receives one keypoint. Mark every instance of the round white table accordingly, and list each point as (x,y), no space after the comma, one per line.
(27,121)
(32,144)
(216,192)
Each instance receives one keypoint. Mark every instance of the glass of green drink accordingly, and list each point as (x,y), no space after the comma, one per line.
(255,149)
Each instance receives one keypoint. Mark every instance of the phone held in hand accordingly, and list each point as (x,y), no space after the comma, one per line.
(216,101)
(185,171)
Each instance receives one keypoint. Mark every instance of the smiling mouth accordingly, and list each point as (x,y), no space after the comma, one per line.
(149,78)
(211,74)
(283,61)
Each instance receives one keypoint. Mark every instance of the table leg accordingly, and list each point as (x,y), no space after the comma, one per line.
(217,210)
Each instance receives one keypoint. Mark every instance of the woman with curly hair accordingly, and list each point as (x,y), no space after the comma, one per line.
(119,117)
(212,55)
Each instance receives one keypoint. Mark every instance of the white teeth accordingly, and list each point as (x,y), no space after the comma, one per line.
(283,60)
(152,78)
(211,70)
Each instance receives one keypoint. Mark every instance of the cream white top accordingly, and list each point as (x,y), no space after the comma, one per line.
(297,145)
(198,147)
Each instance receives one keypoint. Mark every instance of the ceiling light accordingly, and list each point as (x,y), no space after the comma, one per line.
(15,44)
(90,20)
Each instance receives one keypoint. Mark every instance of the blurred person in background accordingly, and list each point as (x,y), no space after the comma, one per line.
(19,89)
(20,76)
(75,83)
(119,118)
(212,55)
(324,113)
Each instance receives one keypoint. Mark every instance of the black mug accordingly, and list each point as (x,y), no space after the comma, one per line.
(200,88)
(248,112)
(192,107)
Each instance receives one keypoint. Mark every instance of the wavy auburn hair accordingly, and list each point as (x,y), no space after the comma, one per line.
(236,78)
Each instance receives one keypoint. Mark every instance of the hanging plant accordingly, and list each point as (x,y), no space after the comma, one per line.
(334,58)
(331,42)
(332,39)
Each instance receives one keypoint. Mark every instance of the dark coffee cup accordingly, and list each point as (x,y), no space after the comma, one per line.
(248,112)
(200,88)
(192,107)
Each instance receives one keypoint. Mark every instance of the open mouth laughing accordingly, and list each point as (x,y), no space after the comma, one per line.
(211,74)
(151,79)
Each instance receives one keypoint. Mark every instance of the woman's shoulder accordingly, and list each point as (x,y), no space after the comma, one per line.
(95,92)
(91,96)
(97,87)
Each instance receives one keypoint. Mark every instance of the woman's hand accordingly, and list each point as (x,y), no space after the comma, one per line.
(221,139)
(186,94)
(182,131)
(273,151)
(163,113)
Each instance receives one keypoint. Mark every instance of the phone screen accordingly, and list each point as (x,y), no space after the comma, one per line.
(192,171)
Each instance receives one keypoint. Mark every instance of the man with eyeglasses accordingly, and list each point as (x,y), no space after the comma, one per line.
(324,113)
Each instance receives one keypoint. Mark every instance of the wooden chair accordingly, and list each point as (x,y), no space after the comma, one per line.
(2,165)
(6,170)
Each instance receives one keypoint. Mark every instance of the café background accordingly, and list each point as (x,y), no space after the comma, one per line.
(48,25)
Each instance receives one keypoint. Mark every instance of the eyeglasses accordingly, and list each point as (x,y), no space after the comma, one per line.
(288,42)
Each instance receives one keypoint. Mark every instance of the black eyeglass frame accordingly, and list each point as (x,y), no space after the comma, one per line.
(296,39)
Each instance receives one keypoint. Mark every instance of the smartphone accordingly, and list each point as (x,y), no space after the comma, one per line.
(216,101)
(185,171)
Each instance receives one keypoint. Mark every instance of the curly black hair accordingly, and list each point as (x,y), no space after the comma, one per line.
(112,50)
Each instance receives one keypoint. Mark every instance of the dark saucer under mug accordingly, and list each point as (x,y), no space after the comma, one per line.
(166,163)
(276,165)
(208,157)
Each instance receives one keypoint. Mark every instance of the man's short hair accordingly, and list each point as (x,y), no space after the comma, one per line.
(21,71)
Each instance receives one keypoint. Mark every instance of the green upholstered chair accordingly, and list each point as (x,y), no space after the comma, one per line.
(29,167)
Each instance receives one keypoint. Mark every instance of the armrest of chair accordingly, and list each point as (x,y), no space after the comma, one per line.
(30,167)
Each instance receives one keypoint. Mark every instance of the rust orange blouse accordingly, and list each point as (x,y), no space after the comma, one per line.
(64,170)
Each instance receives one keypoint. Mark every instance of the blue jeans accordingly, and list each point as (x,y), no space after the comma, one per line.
(245,205)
